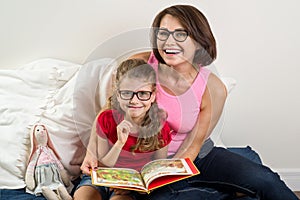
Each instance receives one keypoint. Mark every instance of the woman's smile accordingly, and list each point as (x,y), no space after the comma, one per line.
(172,51)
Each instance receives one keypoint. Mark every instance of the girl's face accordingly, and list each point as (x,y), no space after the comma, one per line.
(175,52)
(134,108)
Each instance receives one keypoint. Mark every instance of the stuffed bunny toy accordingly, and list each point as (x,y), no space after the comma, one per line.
(45,173)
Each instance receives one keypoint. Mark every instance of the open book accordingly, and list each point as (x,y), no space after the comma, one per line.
(153,175)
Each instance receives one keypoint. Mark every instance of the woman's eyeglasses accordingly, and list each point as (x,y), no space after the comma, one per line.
(141,95)
(178,35)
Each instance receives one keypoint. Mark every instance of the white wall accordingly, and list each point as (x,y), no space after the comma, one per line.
(257,41)
(259,45)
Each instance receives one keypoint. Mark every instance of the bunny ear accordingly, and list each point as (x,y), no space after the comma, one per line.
(32,142)
(50,144)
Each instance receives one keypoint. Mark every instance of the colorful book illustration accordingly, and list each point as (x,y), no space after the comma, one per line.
(153,175)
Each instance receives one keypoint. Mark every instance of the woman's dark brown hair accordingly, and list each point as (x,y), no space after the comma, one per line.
(197,26)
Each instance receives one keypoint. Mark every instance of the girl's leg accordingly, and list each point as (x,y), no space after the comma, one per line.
(229,171)
(129,195)
(121,197)
(86,193)
(86,190)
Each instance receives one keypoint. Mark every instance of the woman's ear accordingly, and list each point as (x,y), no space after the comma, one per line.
(198,46)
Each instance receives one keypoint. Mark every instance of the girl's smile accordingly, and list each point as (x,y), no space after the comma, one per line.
(134,108)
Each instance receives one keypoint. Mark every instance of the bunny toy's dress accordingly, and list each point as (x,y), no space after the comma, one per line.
(46,170)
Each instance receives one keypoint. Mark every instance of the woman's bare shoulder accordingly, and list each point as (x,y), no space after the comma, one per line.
(216,86)
(143,55)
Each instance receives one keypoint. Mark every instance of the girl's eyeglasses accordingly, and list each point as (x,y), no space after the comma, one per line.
(141,95)
(178,35)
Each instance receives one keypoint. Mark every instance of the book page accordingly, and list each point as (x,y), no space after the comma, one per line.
(117,177)
(164,167)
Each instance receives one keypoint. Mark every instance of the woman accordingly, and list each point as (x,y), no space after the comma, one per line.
(183,44)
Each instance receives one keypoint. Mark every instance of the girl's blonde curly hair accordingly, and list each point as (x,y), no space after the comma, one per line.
(150,129)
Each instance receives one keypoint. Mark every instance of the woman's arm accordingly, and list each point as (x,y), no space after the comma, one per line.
(218,95)
(213,101)
(161,153)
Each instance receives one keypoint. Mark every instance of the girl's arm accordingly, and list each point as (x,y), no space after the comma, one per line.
(90,160)
(213,101)
(98,148)
(109,157)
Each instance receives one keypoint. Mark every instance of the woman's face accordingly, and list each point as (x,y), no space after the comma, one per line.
(175,52)
(134,108)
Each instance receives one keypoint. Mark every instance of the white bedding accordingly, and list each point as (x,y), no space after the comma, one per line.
(62,95)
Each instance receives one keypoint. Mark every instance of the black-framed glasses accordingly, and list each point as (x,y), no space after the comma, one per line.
(178,35)
(141,95)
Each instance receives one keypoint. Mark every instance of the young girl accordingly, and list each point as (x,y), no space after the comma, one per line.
(132,129)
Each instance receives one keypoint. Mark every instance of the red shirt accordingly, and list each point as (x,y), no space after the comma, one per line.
(107,128)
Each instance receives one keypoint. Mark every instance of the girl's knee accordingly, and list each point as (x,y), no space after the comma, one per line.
(86,192)
(121,197)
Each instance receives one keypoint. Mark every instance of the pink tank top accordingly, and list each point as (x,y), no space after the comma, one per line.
(183,110)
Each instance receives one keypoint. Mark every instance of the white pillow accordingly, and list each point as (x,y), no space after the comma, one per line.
(42,92)
(93,84)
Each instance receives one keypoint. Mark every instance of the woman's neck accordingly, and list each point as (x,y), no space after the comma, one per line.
(177,80)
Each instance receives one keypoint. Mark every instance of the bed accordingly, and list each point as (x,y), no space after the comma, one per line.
(66,97)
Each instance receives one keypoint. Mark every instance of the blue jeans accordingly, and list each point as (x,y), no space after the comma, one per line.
(246,152)
(18,194)
(227,172)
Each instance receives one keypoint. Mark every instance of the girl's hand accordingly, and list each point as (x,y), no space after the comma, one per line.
(123,130)
(89,162)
